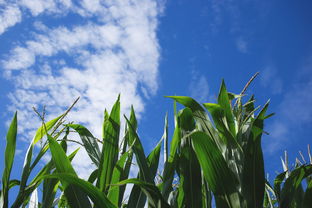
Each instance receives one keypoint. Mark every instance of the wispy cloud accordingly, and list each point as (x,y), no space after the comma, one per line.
(242,45)
(270,79)
(293,112)
(115,50)
(199,88)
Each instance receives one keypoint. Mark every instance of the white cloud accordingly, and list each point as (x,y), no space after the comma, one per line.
(9,16)
(20,58)
(37,6)
(114,51)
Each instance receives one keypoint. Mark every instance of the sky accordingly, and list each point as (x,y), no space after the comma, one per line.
(52,51)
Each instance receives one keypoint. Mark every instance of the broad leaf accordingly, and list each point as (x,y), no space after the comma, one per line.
(219,177)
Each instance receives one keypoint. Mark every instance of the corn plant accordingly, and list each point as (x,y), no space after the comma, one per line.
(214,159)
(289,189)
(219,158)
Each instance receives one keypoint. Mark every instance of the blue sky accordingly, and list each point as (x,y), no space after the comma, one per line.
(55,50)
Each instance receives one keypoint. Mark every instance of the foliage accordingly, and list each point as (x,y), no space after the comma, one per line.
(214,159)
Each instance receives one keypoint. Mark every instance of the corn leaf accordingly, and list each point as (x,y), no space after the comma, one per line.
(50,185)
(113,193)
(307,200)
(13,183)
(74,195)
(8,161)
(219,177)
(89,141)
(137,197)
(42,130)
(145,173)
(127,142)
(109,155)
(95,194)
(170,165)
(253,182)
(150,190)
(93,176)
(277,184)
(293,184)
(202,120)
(225,103)
(190,187)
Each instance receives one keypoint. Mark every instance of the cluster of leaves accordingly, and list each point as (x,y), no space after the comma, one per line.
(215,154)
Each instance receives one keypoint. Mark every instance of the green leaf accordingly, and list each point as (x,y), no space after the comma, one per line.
(89,141)
(219,177)
(307,200)
(97,197)
(138,150)
(225,103)
(150,190)
(113,193)
(170,165)
(127,142)
(202,120)
(218,115)
(93,176)
(190,187)
(13,183)
(50,185)
(293,184)
(124,176)
(47,126)
(109,155)
(137,197)
(74,195)
(253,182)
(8,161)
(277,184)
